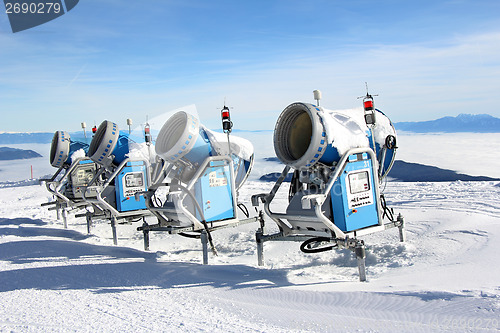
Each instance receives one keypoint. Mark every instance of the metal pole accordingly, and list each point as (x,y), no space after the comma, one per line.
(113,228)
(65,218)
(58,210)
(88,216)
(401,227)
(359,250)
(145,231)
(260,247)
(204,245)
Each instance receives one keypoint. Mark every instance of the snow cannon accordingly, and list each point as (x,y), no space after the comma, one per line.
(184,142)
(74,172)
(195,191)
(62,149)
(306,135)
(109,146)
(338,159)
(119,178)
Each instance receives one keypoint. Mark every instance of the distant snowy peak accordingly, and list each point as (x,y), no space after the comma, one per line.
(15,138)
(478,123)
(7,154)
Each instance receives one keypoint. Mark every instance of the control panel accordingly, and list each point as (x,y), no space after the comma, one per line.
(81,176)
(130,180)
(359,191)
(134,182)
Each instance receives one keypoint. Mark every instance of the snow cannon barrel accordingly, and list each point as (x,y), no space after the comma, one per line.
(182,138)
(306,134)
(184,141)
(62,149)
(109,144)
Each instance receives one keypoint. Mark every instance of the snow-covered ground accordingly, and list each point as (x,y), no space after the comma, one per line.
(444,278)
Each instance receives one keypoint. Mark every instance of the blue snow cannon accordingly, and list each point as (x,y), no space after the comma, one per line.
(63,147)
(109,144)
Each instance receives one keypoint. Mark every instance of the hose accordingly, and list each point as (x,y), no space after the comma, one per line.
(389,212)
(304,246)
(244,209)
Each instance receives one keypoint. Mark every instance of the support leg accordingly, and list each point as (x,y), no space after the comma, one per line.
(204,245)
(146,236)
(88,217)
(401,227)
(260,247)
(58,211)
(360,252)
(65,218)
(113,228)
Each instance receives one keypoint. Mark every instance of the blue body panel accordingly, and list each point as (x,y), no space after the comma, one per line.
(353,196)
(122,148)
(200,150)
(213,192)
(73,147)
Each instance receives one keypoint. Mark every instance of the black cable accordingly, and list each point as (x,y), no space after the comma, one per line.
(189,235)
(389,212)
(304,246)
(245,211)
(295,185)
(156,200)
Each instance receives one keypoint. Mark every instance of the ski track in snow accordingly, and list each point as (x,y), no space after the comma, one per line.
(444,278)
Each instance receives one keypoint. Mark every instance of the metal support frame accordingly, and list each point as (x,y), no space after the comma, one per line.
(62,203)
(147,228)
(167,224)
(100,203)
(357,246)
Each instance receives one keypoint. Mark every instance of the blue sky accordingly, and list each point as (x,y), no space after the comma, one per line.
(119,59)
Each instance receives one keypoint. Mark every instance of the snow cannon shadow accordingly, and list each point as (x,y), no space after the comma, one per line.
(70,265)
(65,252)
(26,227)
(21,220)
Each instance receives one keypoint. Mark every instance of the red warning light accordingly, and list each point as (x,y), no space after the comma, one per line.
(227,125)
(147,134)
(368,105)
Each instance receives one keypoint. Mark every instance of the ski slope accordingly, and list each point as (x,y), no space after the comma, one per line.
(445,278)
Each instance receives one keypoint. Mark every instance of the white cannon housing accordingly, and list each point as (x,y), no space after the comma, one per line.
(184,141)
(306,134)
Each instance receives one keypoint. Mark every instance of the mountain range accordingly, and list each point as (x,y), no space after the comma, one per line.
(7,154)
(16,138)
(477,123)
